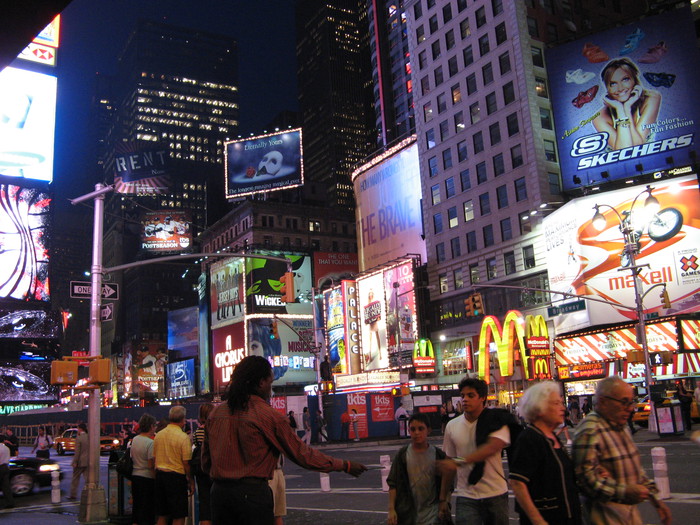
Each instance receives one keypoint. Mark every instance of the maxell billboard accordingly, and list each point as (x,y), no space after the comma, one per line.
(388,216)
(264,163)
(584,261)
(166,231)
(624,99)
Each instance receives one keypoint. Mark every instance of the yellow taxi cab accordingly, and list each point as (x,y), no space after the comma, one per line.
(66,442)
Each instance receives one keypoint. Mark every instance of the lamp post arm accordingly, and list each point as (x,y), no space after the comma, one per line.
(651,288)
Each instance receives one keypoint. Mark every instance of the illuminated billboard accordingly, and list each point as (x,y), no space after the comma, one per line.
(140,171)
(388,215)
(180,379)
(582,260)
(262,280)
(228,349)
(332,267)
(166,231)
(373,322)
(27,124)
(43,48)
(183,331)
(24,233)
(30,324)
(401,325)
(226,293)
(149,368)
(624,99)
(26,381)
(264,163)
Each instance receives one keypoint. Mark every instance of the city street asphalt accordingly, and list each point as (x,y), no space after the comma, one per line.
(361,501)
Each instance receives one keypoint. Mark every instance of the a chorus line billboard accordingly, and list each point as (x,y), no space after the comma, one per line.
(626,97)
(264,163)
(166,231)
(388,215)
(582,260)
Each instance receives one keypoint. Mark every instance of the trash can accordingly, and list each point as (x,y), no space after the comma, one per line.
(403,426)
(119,508)
(669,420)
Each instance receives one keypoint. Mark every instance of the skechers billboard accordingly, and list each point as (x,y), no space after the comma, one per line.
(624,100)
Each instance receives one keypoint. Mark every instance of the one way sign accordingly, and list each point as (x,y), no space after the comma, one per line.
(107,312)
(83,290)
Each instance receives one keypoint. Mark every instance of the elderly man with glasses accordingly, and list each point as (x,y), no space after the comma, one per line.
(608,468)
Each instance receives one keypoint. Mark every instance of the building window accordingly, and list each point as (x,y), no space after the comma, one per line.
(433,24)
(499,165)
(464,29)
(491,104)
(455,247)
(545,118)
(456,94)
(487,73)
(508,93)
(420,34)
(478,141)
(430,138)
(446,13)
(532,27)
(468,56)
(444,130)
(516,156)
(422,60)
(554,184)
(462,151)
(512,124)
(495,133)
(497,7)
(450,189)
(501,33)
(541,87)
(452,221)
(537,56)
(435,48)
(314,226)
(552,32)
(441,103)
(468,210)
(502,196)
(464,180)
(458,278)
(442,279)
(475,113)
(417,10)
(474,273)
(427,111)
(450,39)
(447,159)
(491,268)
(440,252)
(549,151)
(484,46)
(471,84)
(461,5)
(509,262)
(425,85)
(484,204)
(438,76)
(459,121)
(520,189)
(437,223)
(481,173)
(504,63)
(489,239)
(433,166)
(525,224)
(529,257)
(506,230)
(471,242)
(435,194)
(480,16)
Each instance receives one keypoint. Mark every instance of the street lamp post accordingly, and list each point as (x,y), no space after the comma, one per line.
(631,240)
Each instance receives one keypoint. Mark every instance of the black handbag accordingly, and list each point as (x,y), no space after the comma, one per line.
(125,465)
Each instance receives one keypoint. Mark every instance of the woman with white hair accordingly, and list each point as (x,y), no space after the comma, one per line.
(542,473)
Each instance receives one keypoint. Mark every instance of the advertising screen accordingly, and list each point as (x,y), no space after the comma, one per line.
(183,331)
(388,195)
(583,260)
(401,323)
(166,231)
(335,330)
(624,99)
(264,163)
(263,295)
(149,368)
(24,233)
(140,171)
(203,323)
(228,348)
(330,268)
(26,381)
(30,324)
(180,379)
(227,292)
(373,322)
(27,124)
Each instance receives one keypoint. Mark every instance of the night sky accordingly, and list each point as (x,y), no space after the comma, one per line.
(94,32)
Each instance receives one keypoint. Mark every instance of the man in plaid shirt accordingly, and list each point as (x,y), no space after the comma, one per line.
(608,468)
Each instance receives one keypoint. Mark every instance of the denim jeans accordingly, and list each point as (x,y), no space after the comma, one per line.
(235,503)
(487,511)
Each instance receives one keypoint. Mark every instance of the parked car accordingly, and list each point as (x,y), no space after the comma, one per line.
(28,472)
(641,413)
(66,442)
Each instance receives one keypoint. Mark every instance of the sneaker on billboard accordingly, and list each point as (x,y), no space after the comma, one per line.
(578,76)
(654,53)
(594,53)
(660,79)
(584,97)
(632,42)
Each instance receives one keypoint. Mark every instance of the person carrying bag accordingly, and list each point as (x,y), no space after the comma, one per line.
(43,444)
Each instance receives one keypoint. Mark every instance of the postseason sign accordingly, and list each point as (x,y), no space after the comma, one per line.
(624,100)
(166,231)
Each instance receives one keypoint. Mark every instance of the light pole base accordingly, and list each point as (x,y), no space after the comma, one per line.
(93,505)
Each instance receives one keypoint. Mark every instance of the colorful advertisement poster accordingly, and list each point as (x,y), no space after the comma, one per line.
(330,268)
(24,232)
(140,171)
(357,408)
(375,353)
(351,312)
(263,286)
(382,407)
(30,324)
(183,331)
(388,213)
(149,368)
(264,163)
(401,323)
(166,231)
(625,98)
(227,291)
(202,323)
(27,124)
(26,381)
(335,330)
(228,349)
(279,403)
(585,261)
(180,379)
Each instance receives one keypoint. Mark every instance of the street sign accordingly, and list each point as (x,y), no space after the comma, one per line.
(107,312)
(83,290)
(576,306)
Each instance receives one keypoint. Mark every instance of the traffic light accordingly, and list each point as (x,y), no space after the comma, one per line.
(274,334)
(287,287)
(665,299)
(468,307)
(477,304)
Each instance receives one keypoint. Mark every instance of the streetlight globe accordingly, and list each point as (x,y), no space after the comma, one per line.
(651,204)
(598,220)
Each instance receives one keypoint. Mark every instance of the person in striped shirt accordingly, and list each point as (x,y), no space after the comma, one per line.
(244,438)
